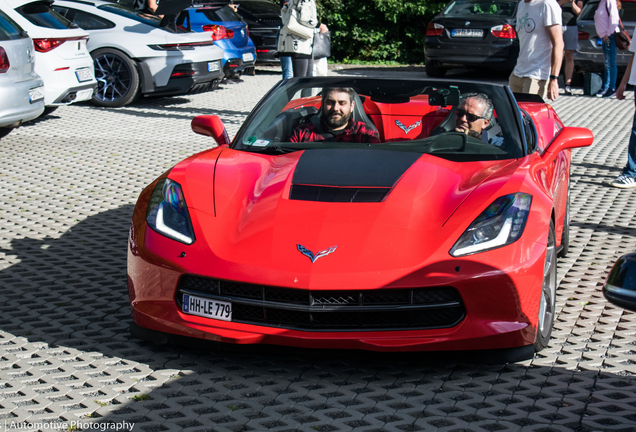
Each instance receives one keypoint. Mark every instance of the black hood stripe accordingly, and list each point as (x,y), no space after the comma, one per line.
(352,167)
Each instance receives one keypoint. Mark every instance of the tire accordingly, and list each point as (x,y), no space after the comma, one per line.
(547,305)
(565,235)
(4,131)
(117,78)
(433,70)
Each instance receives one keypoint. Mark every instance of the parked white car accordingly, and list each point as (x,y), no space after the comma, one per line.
(21,88)
(139,54)
(61,57)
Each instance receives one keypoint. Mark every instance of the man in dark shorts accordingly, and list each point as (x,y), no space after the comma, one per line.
(335,122)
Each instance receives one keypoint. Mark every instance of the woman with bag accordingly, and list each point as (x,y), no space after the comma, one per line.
(300,24)
(606,21)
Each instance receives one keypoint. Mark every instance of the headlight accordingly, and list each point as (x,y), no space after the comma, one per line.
(167,212)
(499,225)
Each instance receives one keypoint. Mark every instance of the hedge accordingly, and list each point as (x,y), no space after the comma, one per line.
(378,30)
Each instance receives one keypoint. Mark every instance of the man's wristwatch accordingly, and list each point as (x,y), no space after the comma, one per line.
(554,77)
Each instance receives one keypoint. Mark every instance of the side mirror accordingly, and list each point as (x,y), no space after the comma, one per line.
(620,286)
(210,125)
(568,138)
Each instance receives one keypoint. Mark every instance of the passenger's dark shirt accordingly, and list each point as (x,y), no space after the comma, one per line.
(357,132)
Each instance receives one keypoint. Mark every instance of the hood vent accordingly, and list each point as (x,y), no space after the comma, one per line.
(348,175)
(338,194)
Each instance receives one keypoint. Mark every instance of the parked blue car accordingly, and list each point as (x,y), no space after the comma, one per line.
(229,32)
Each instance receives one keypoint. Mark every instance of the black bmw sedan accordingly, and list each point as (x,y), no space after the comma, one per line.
(472,34)
(263,19)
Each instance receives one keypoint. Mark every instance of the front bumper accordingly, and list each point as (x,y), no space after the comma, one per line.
(501,306)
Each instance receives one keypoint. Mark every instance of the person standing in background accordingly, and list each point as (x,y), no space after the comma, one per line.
(627,179)
(606,21)
(285,61)
(296,38)
(570,9)
(540,49)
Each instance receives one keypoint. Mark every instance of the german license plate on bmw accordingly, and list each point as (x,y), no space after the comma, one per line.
(467,33)
(248,57)
(207,308)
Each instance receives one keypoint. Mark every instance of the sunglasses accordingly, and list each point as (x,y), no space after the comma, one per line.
(470,117)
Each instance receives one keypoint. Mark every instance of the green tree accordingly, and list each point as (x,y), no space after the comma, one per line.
(378,30)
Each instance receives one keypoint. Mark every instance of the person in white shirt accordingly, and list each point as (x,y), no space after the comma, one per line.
(540,49)
(628,178)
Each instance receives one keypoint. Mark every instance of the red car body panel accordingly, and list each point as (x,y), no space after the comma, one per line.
(247,230)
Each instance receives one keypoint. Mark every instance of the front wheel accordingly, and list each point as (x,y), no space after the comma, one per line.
(117,78)
(547,306)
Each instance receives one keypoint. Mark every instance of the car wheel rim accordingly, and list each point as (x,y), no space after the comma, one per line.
(548,291)
(113,77)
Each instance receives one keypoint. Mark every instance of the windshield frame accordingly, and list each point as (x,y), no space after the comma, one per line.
(510,118)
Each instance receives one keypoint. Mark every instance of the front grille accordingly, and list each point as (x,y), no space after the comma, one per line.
(337,194)
(344,310)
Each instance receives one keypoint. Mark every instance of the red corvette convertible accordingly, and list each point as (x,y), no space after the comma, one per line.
(420,215)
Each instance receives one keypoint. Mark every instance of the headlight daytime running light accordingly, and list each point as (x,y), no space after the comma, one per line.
(499,225)
(168,214)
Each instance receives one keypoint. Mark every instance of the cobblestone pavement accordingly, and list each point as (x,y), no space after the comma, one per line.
(69,183)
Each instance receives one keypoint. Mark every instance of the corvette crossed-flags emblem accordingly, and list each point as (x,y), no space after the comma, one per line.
(407,129)
(313,257)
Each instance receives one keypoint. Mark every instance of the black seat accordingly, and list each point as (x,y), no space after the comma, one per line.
(285,122)
(448,124)
(360,115)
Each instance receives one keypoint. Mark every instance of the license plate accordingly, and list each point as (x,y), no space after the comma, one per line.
(248,57)
(467,33)
(83,95)
(207,308)
(35,94)
(84,74)
(213,66)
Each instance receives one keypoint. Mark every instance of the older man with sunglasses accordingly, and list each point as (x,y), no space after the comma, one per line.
(473,115)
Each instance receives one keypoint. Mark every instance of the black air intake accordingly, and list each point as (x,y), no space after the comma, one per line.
(337,194)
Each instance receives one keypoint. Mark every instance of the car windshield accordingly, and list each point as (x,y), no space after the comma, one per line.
(141,17)
(627,13)
(41,15)
(456,120)
(468,8)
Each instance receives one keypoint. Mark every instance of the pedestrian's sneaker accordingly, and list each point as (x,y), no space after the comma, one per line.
(624,181)
(601,93)
(567,90)
(610,93)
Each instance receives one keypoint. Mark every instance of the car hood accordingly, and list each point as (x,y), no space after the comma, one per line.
(241,208)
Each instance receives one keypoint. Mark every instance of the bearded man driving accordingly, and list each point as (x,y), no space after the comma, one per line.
(335,122)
